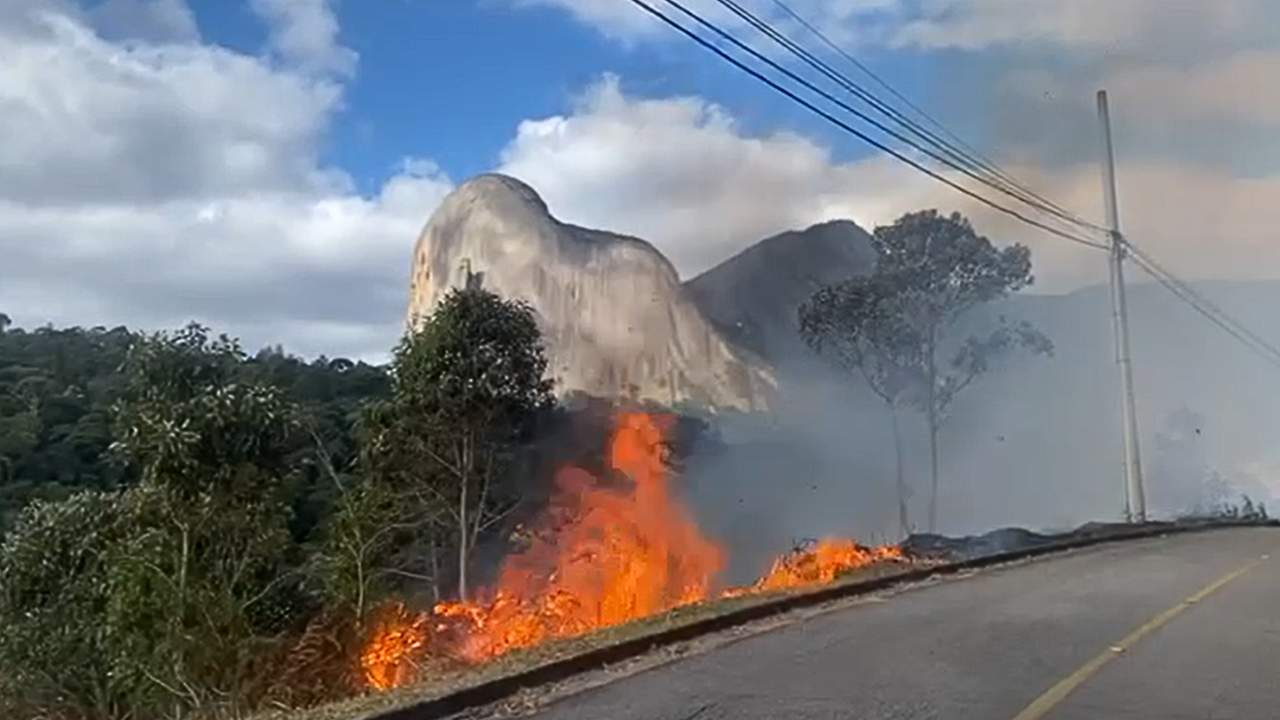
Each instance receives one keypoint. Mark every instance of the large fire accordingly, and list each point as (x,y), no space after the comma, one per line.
(605,553)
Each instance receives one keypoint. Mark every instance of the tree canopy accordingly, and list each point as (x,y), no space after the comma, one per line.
(162,496)
(897,326)
(465,386)
(58,388)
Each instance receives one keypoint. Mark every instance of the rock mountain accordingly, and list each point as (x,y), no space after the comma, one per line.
(616,320)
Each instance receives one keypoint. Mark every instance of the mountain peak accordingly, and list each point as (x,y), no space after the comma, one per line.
(753,296)
(615,320)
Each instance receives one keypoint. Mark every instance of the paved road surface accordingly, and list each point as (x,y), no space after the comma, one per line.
(994,644)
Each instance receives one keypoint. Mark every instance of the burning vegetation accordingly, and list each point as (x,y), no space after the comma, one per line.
(604,553)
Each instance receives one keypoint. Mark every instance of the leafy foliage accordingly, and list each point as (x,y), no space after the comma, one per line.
(183,520)
(857,324)
(178,588)
(169,590)
(58,388)
(56,654)
(465,387)
(478,361)
(932,269)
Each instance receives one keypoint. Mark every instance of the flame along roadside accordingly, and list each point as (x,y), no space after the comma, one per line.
(602,554)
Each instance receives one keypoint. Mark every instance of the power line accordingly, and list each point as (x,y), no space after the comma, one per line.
(857,133)
(992,176)
(1193,302)
(1198,302)
(796,49)
(1171,282)
(965,149)
(851,87)
(1151,266)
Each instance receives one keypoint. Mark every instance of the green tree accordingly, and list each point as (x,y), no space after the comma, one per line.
(465,386)
(222,582)
(178,589)
(56,653)
(371,538)
(330,394)
(56,389)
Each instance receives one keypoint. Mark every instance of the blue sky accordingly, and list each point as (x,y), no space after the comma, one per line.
(265,166)
(502,63)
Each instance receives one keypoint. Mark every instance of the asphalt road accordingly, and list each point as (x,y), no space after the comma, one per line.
(1186,626)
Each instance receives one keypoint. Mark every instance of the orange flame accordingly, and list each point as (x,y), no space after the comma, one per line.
(822,563)
(623,554)
(603,554)
(398,636)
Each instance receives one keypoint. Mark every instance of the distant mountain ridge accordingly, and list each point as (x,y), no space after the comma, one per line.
(754,295)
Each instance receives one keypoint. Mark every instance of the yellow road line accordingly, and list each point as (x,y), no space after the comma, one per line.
(1056,694)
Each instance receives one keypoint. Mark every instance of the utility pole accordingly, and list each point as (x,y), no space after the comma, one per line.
(1135,497)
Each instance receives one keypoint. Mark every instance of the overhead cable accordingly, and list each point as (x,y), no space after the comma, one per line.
(960,146)
(1198,302)
(943,152)
(792,95)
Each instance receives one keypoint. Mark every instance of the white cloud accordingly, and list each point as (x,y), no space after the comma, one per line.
(677,172)
(848,21)
(321,273)
(1183,68)
(153,180)
(305,32)
(683,174)
(154,183)
(619,20)
(1109,25)
(87,120)
(1194,105)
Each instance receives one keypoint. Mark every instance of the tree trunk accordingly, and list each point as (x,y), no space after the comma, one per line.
(462,544)
(359,558)
(463,524)
(482,501)
(182,570)
(933,436)
(435,568)
(904,522)
(933,470)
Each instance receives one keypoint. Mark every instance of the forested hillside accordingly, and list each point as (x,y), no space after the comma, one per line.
(58,387)
(193,531)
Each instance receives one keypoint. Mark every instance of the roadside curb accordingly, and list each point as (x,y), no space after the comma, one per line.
(503,687)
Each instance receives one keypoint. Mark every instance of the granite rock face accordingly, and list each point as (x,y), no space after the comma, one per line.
(615,319)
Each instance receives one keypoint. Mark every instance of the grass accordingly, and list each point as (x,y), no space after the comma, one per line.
(447,682)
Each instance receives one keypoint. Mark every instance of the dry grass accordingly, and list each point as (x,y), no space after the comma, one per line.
(446,682)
